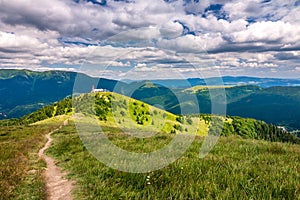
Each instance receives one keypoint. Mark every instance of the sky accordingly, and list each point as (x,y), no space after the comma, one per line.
(152,39)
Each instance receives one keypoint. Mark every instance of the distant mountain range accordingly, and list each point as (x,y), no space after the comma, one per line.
(227,80)
(278,105)
(272,100)
(24,91)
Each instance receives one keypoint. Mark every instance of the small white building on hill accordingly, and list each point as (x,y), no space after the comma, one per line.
(98,90)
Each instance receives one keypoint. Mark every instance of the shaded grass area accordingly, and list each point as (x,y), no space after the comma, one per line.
(20,167)
(235,169)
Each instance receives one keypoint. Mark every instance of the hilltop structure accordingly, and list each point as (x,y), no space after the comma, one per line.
(98,90)
(282,128)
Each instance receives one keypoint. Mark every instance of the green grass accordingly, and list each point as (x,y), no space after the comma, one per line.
(235,169)
(206,88)
(118,111)
(20,167)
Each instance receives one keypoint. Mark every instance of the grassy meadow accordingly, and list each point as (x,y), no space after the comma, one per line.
(20,167)
(235,169)
(118,111)
(241,166)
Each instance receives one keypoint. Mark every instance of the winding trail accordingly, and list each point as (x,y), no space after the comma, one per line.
(58,188)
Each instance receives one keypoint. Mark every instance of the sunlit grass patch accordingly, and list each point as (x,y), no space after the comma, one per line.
(235,169)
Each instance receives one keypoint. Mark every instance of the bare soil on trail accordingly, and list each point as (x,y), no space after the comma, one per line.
(58,188)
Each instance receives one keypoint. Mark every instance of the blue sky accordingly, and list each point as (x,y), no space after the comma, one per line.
(140,39)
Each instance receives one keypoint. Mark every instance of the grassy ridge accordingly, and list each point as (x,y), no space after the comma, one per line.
(118,111)
(235,169)
(278,103)
(230,171)
(20,168)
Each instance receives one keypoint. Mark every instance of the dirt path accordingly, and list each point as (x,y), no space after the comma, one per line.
(57,186)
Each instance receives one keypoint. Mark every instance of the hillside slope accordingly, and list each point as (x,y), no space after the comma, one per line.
(276,105)
(25,91)
(123,113)
(235,169)
(279,105)
(229,171)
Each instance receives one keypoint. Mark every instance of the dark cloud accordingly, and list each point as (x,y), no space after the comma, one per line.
(254,47)
(286,56)
(12,51)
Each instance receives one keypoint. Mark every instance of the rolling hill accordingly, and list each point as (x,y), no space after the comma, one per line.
(123,113)
(278,105)
(228,171)
(25,91)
